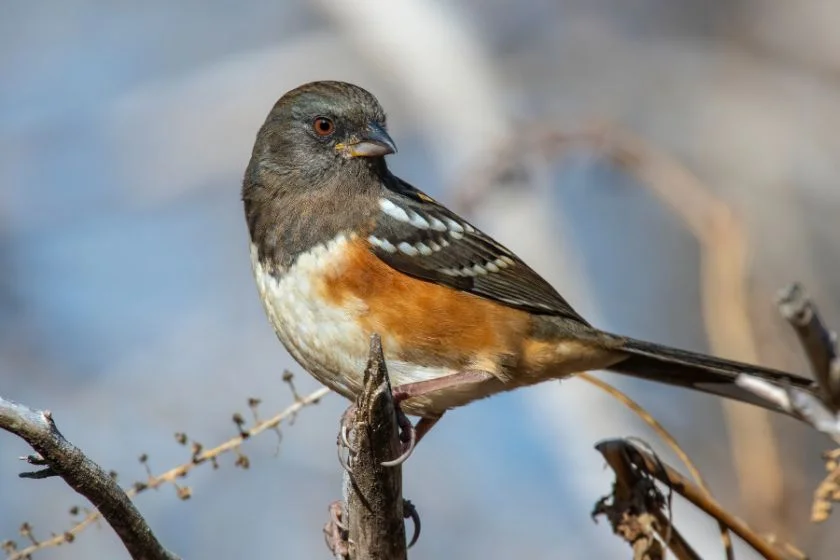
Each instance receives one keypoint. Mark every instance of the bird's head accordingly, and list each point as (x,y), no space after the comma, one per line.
(321,131)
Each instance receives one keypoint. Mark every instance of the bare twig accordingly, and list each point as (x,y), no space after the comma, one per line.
(635,510)
(670,440)
(821,410)
(64,459)
(624,456)
(373,493)
(172,475)
(648,418)
(819,342)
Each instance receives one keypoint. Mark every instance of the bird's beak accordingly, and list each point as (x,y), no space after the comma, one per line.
(375,142)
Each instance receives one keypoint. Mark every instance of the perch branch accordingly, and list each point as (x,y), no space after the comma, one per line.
(172,475)
(62,458)
(372,492)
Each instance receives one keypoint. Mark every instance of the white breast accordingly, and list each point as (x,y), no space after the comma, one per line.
(326,339)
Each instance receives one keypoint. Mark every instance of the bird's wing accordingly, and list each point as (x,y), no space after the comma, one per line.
(417,236)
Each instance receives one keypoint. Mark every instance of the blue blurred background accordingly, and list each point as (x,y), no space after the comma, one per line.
(128,309)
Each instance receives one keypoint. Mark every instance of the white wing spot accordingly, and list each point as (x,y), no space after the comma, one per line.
(383,244)
(423,248)
(417,220)
(436,224)
(450,271)
(500,263)
(478,269)
(467,271)
(456,234)
(435,247)
(408,249)
(393,210)
(469,228)
(491,267)
(508,260)
(444,242)
(454,227)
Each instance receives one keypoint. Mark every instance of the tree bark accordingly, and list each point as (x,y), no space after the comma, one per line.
(372,492)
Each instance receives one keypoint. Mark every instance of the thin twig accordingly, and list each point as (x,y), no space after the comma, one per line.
(629,456)
(87,478)
(818,341)
(818,408)
(635,512)
(669,439)
(172,475)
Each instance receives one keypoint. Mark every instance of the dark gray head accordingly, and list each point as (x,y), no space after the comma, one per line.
(322,129)
(316,168)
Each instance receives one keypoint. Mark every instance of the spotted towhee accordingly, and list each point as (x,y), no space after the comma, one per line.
(342,248)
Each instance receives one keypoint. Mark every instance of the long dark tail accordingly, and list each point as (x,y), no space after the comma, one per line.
(699,371)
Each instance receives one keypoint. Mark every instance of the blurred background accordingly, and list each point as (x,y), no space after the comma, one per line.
(127,305)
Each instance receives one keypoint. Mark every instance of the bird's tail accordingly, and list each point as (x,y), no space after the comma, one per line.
(700,372)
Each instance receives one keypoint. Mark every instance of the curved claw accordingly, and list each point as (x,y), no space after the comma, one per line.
(336,514)
(343,440)
(409,447)
(344,433)
(344,462)
(335,532)
(409,511)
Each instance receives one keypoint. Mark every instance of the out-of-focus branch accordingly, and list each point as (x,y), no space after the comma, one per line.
(373,510)
(634,467)
(200,456)
(819,342)
(723,274)
(724,249)
(820,345)
(820,410)
(62,458)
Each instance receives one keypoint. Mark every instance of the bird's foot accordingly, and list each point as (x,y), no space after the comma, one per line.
(336,533)
(344,438)
(410,512)
(408,433)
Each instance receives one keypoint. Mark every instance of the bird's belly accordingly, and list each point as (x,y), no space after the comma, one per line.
(326,338)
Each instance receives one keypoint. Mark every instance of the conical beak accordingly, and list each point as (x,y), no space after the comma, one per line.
(375,142)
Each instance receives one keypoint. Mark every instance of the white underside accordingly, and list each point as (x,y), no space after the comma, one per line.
(326,340)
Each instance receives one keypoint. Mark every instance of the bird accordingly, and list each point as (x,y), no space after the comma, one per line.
(342,249)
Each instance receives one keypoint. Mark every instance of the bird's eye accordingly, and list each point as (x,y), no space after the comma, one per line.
(323,126)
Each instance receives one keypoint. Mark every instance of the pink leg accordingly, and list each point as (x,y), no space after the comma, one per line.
(411,435)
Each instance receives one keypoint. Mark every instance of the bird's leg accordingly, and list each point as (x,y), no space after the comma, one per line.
(410,435)
(336,532)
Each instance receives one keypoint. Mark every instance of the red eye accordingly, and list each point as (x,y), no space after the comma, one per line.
(323,126)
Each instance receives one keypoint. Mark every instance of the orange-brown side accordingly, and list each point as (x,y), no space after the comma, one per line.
(432,325)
